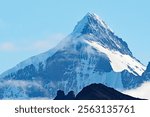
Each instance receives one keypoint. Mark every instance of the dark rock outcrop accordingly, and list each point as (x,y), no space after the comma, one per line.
(70,96)
(95,92)
(61,95)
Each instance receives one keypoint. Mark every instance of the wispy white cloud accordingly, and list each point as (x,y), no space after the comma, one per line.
(19,87)
(39,45)
(14,51)
(20,83)
(48,43)
(7,46)
(141,92)
(45,44)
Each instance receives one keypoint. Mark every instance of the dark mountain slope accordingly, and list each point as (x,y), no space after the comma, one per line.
(95,92)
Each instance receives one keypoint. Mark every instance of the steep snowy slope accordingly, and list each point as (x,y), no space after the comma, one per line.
(92,53)
(119,61)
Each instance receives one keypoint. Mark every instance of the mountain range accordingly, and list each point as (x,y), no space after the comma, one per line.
(92,53)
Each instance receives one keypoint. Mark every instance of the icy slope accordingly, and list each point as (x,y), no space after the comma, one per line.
(119,61)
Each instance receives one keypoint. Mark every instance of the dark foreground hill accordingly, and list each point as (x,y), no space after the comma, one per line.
(95,92)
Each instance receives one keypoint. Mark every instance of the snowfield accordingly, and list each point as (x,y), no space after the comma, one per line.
(120,61)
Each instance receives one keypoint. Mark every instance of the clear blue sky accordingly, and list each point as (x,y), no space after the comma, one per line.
(29,27)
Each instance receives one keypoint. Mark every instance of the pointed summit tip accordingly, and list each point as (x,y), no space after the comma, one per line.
(92,15)
(90,22)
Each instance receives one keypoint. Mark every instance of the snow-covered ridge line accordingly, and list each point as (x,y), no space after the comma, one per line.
(34,60)
(119,62)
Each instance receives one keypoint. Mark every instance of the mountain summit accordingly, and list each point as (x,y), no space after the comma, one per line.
(94,26)
(92,53)
(90,23)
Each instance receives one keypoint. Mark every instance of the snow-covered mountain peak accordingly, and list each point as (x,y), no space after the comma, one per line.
(96,18)
(91,23)
(92,53)
(93,26)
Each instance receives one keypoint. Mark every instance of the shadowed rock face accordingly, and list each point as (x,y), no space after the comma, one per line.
(95,92)
(146,74)
(70,96)
(148,68)
(61,95)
